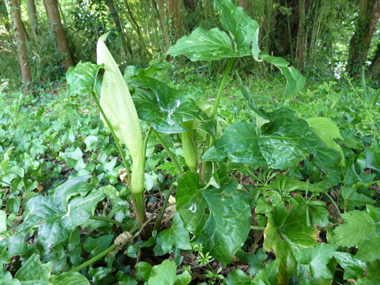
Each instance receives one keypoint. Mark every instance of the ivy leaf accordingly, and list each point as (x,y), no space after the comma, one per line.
(97,245)
(243,29)
(359,225)
(163,274)
(81,79)
(69,278)
(143,271)
(204,45)
(294,78)
(237,277)
(132,250)
(220,215)
(174,237)
(54,217)
(255,261)
(162,106)
(34,272)
(353,267)
(316,258)
(287,238)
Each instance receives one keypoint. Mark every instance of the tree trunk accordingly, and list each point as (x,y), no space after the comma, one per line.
(5,17)
(123,37)
(158,14)
(190,5)
(375,65)
(52,12)
(301,35)
(361,40)
(244,4)
(164,22)
(173,12)
(21,44)
(32,16)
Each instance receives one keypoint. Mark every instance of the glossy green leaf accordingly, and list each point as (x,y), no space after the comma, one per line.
(124,279)
(81,79)
(295,80)
(163,274)
(143,271)
(353,268)
(99,273)
(54,216)
(327,131)
(34,272)
(175,237)
(316,259)
(283,142)
(220,215)
(162,106)
(182,279)
(69,278)
(132,250)
(204,45)
(120,110)
(243,29)
(238,277)
(287,238)
(255,261)
(97,245)
(6,278)
(291,184)
(372,277)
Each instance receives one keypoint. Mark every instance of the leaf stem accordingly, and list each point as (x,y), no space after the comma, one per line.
(166,148)
(202,170)
(159,218)
(114,137)
(332,200)
(100,255)
(105,219)
(257,228)
(219,95)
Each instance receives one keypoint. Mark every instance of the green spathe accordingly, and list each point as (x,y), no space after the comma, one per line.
(118,106)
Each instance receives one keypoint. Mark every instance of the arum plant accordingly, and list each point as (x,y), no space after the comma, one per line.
(118,112)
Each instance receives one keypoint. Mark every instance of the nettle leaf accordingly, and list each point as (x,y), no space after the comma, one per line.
(162,106)
(69,278)
(81,79)
(218,217)
(316,260)
(359,225)
(295,80)
(243,29)
(55,216)
(283,142)
(353,267)
(204,45)
(286,237)
(327,131)
(34,272)
(175,237)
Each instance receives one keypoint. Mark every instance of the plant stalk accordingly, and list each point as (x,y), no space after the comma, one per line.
(202,170)
(159,218)
(257,228)
(105,219)
(166,148)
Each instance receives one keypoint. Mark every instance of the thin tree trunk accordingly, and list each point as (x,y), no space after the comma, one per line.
(21,44)
(123,37)
(269,24)
(5,17)
(361,40)
(32,16)
(190,5)
(375,65)
(301,34)
(158,15)
(173,12)
(164,23)
(244,4)
(52,12)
